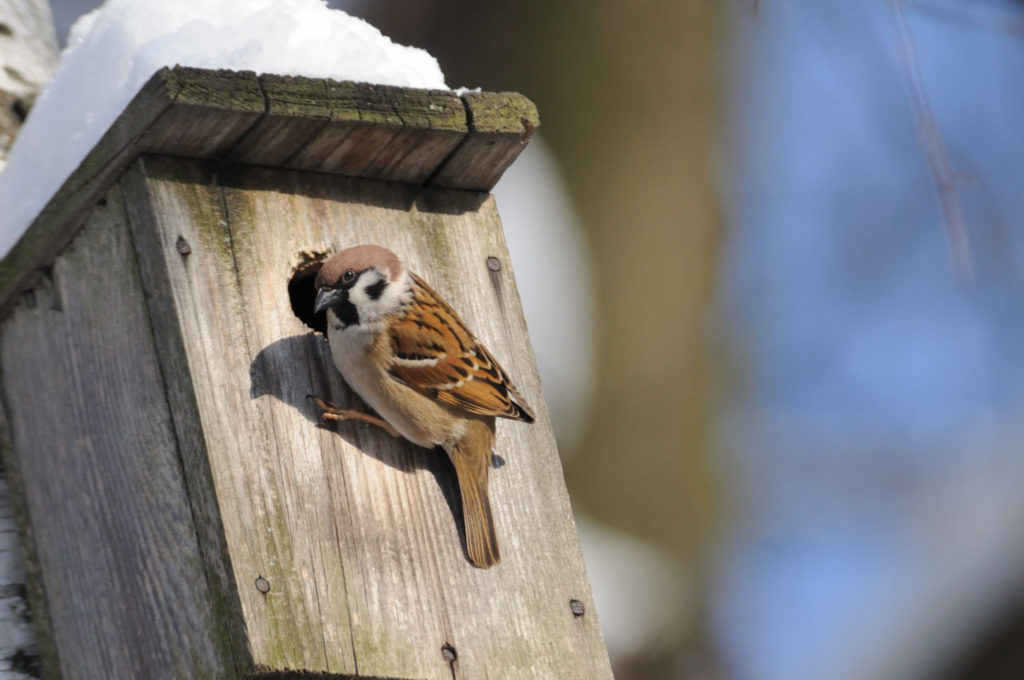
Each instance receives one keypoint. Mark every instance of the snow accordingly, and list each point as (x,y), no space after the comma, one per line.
(114,50)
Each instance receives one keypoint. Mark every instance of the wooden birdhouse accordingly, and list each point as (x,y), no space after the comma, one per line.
(184,512)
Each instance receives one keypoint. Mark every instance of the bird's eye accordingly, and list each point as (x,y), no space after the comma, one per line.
(348,277)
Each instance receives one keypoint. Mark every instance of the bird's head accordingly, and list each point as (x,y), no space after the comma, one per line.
(360,285)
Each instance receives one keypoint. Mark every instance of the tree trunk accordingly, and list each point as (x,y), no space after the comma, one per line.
(28,52)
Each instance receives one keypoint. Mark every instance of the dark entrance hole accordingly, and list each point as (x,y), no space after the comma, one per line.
(302,293)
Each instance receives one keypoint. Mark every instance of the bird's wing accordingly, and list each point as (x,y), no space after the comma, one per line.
(436,355)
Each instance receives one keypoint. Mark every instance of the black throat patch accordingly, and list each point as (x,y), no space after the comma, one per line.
(346,312)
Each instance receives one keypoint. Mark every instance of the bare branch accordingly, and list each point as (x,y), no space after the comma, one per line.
(930,136)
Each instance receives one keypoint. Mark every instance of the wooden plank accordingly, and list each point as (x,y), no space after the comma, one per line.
(362,123)
(210,111)
(359,129)
(91,430)
(296,111)
(376,131)
(399,134)
(433,124)
(354,532)
(500,126)
(188,426)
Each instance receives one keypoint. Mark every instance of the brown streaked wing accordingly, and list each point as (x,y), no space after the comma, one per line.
(436,355)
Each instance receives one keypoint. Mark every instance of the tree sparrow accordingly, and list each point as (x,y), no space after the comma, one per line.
(407,353)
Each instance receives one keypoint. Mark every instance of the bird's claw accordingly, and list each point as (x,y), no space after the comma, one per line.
(329,411)
(326,407)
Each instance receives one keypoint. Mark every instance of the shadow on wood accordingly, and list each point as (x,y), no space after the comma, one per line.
(279,358)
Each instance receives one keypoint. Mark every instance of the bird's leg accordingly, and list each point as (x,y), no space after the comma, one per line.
(329,411)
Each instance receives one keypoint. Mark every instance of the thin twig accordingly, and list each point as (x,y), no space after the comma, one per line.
(934,146)
(959,13)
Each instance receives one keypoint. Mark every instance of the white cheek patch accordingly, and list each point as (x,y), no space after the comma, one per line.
(374,296)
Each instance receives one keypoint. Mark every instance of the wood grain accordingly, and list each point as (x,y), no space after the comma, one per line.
(433,124)
(381,132)
(189,515)
(208,111)
(98,467)
(500,126)
(355,533)
(362,122)
(296,111)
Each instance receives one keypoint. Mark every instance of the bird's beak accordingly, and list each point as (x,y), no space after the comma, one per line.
(328,297)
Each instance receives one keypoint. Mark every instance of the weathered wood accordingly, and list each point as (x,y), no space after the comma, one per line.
(362,124)
(207,113)
(433,123)
(376,131)
(155,380)
(393,133)
(296,110)
(355,533)
(500,125)
(90,429)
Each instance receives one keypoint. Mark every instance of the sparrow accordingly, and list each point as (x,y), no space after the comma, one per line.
(409,356)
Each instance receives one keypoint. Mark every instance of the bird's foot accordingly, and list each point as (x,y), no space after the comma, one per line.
(329,411)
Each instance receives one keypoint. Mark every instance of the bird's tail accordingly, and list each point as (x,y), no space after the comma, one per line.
(472,459)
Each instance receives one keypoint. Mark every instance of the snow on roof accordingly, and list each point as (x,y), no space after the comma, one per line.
(112,52)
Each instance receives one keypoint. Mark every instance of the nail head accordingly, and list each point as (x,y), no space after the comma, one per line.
(262,585)
(182,246)
(494,264)
(576,607)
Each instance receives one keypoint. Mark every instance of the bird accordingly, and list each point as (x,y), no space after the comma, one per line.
(410,357)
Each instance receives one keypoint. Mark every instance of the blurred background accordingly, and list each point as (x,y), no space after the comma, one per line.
(771,258)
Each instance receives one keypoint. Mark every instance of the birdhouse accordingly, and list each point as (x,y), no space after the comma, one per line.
(185,512)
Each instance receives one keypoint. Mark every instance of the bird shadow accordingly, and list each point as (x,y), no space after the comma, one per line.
(295,368)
